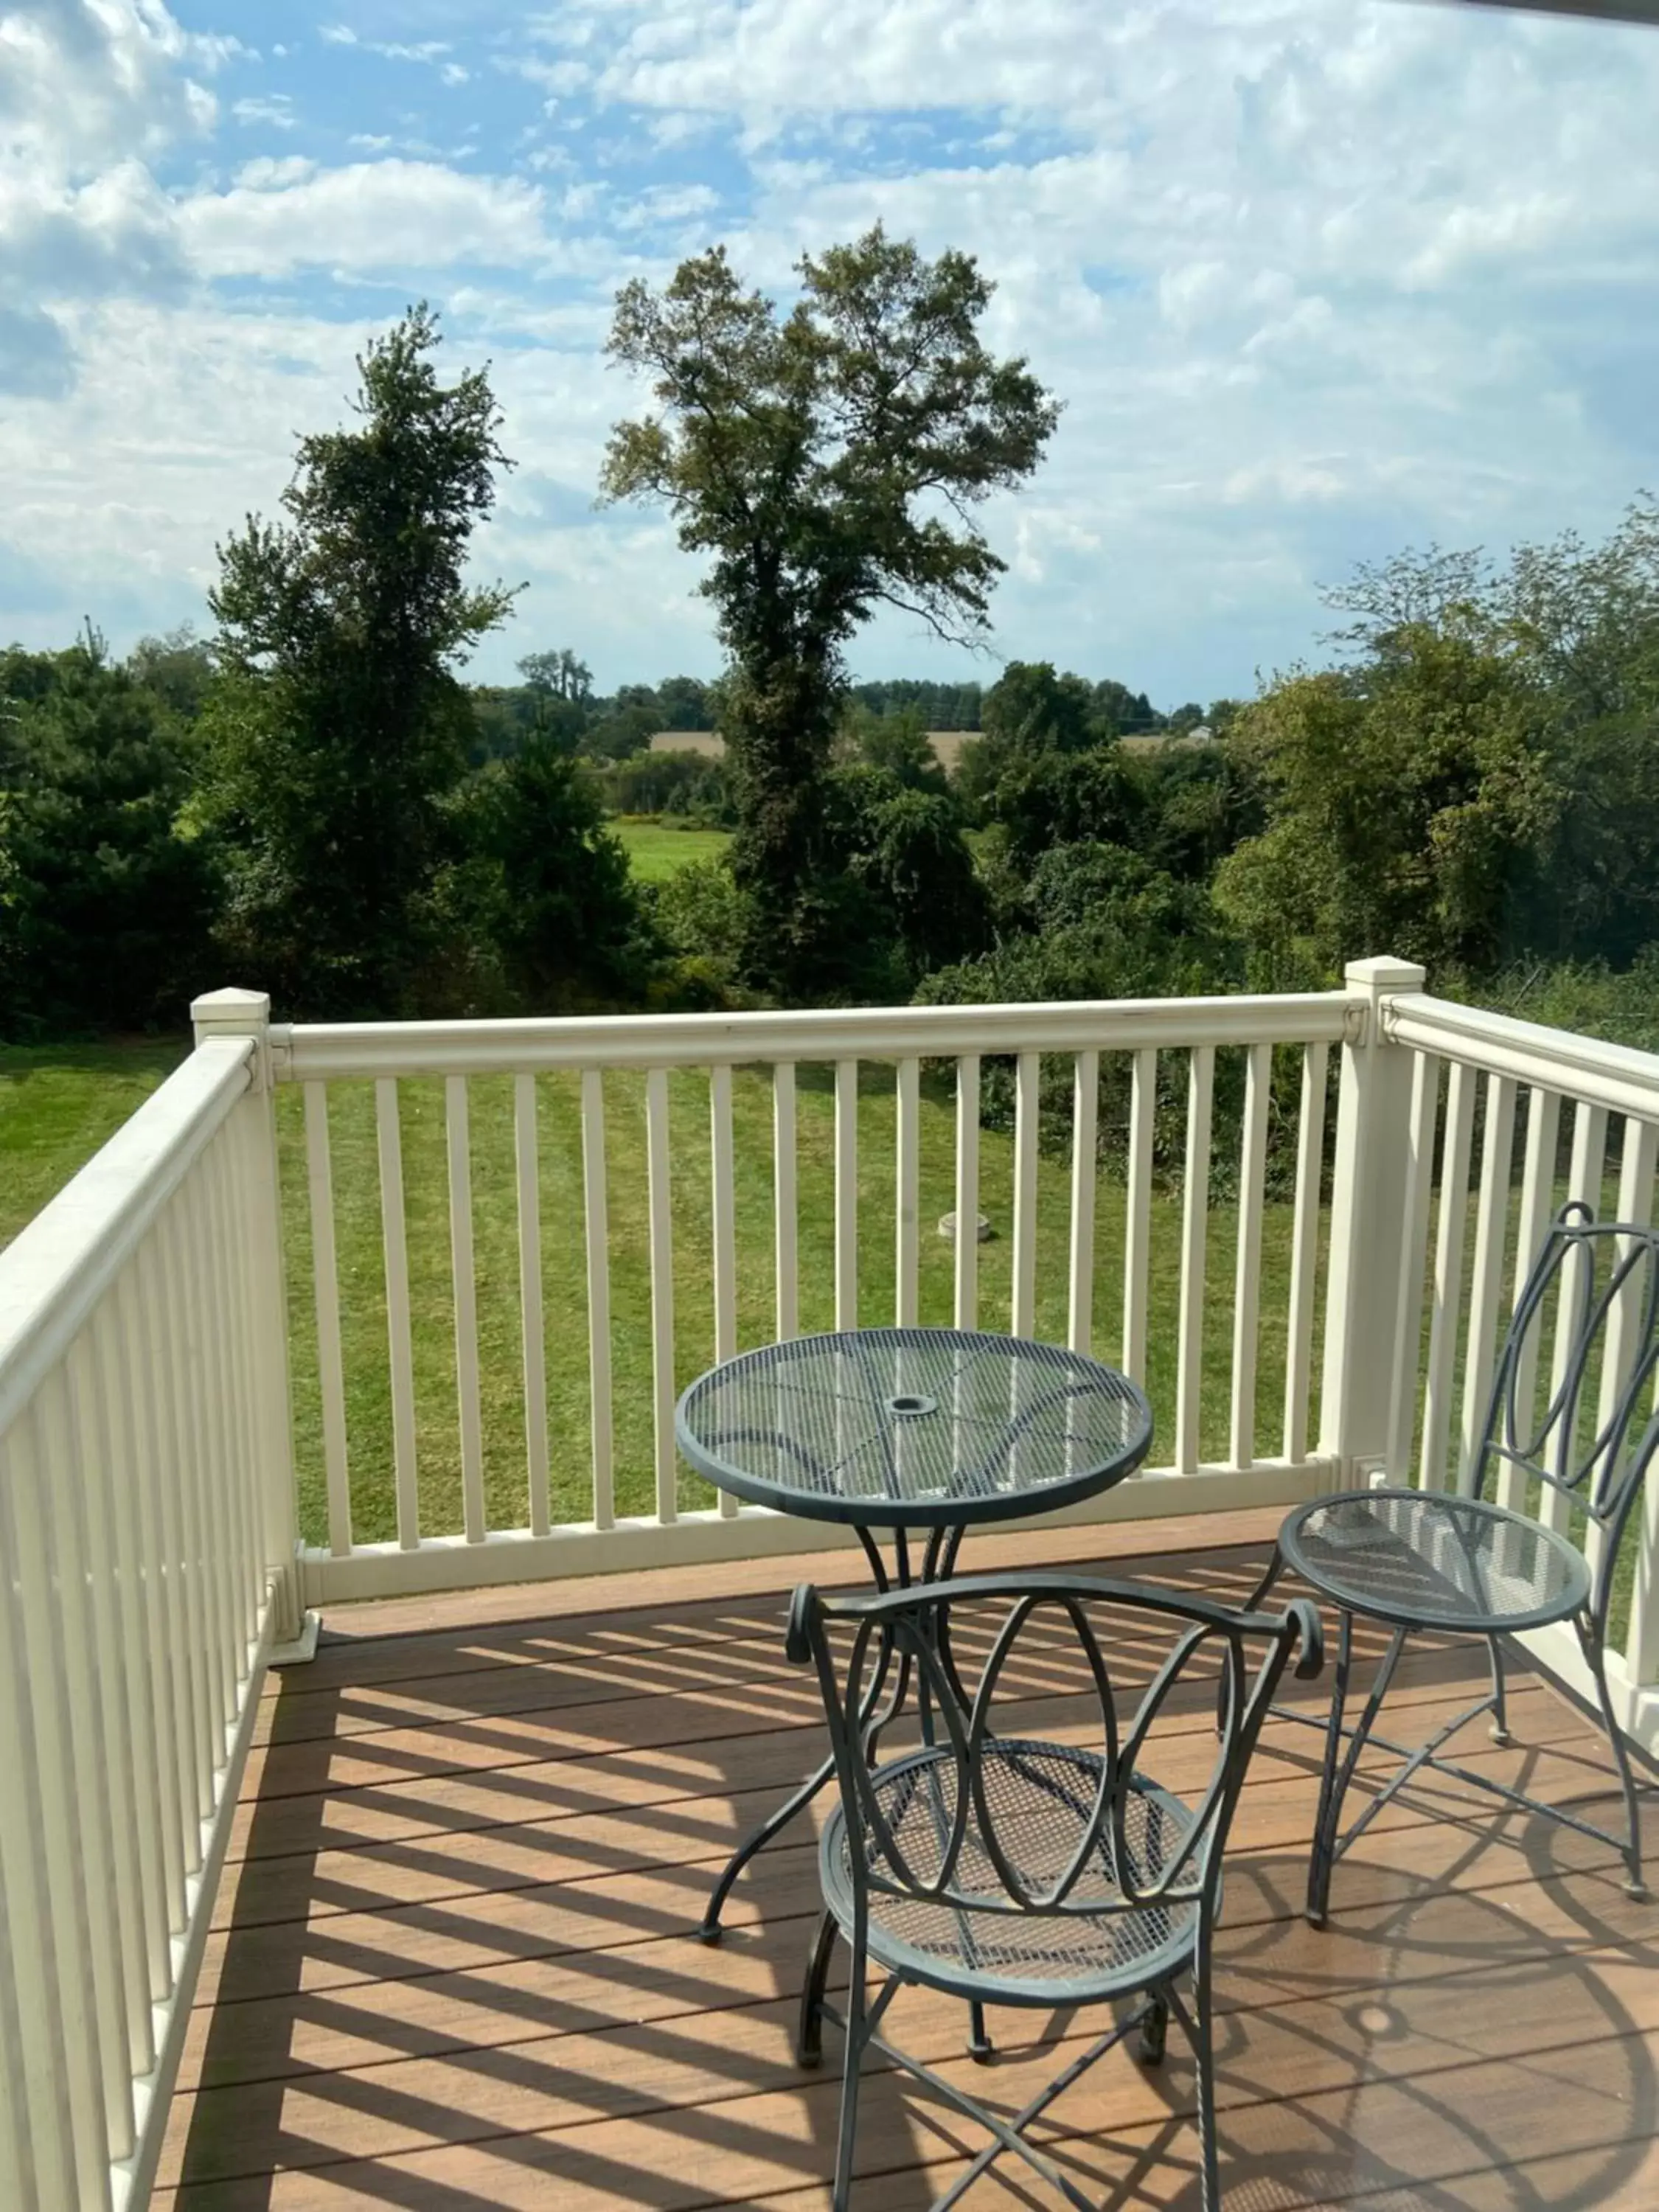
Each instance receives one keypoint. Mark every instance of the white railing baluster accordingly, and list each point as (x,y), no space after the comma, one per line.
(176,1381)
(966,1253)
(83,1651)
(847,1194)
(98,1589)
(1247,1271)
(1304,1252)
(18,2182)
(1642,1639)
(1486,1272)
(326,1283)
(907,1256)
(182,1672)
(1027,1085)
(1138,1211)
(1537,1205)
(400,1348)
(153,1715)
(785,1205)
(464,1278)
(52,1770)
(724,1198)
(1636,1171)
(597,1229)
(56,2073)
(1448,1275)
(207,1402)
(527,1169)
(1195,1225)
(1085,1172)
(1585,1180)
(230,1460)
(224,1161)
(1414,1260)
(659,1201)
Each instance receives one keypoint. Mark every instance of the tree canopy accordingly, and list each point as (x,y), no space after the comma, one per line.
(827,461)
(337,730)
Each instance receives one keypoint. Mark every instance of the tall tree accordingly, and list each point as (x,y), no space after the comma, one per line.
(829,461)
(338,732)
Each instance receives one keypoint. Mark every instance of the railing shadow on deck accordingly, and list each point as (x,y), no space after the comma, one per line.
(562,2022)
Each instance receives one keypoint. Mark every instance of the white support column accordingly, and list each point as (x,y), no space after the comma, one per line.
(1370,1205)
(247,1013)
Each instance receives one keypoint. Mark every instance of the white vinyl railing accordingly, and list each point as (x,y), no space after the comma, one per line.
(146,1568)
(156,1551)
(617,1069)
(1518,1097)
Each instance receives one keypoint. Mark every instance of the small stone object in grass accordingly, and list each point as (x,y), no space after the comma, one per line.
(947,1228)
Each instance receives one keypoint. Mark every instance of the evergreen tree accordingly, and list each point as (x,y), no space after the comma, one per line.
(338,733)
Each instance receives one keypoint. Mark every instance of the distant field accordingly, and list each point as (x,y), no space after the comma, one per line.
(947,744)
(655,853)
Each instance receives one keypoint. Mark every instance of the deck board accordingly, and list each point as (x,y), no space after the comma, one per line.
(451,1964)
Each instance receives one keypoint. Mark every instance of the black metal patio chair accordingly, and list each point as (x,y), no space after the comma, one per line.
(1009,1871)
(1457,1563)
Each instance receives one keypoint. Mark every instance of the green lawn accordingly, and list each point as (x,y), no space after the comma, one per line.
(656,851)
(58,1104)
(565,1346)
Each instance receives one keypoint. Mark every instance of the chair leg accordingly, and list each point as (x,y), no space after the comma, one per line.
(809,2040)
(1500,1714)
(853,2068)
(1204,2061)
(1589,1642)
(1154,2035)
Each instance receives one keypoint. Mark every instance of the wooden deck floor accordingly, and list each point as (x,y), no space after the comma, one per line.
(453,1970)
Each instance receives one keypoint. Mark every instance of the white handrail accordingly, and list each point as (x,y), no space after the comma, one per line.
(320,1051)
(1617,1077)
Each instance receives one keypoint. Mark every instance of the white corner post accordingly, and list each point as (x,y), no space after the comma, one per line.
(234,1013)
(1369,1208)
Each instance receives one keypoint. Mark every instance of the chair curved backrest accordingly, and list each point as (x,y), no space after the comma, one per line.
(1605,1347)
(1014,1618)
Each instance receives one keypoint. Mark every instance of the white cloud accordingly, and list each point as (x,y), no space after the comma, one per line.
(1314,277)
(275,173)
(366,216)
(429,52)
(82,86)
(274,108)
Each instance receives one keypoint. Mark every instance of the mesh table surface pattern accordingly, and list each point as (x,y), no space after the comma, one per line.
(931,1424)
(1434,1558)
(1041,1797)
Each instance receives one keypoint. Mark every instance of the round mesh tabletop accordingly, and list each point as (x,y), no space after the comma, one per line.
(913,1427)
(1427,1560)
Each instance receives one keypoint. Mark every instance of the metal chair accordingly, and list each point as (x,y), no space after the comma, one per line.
(1458,1563)
(1004,1869)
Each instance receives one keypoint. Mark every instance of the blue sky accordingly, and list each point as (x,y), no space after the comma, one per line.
(1314,279)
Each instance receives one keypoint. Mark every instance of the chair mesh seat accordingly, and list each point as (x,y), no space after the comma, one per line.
(1040,1797)
(1434,1559)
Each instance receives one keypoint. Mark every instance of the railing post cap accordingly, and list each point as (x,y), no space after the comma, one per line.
(1381,973)
(230,1013)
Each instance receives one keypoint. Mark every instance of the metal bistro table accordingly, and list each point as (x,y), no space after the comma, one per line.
(934,1429)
